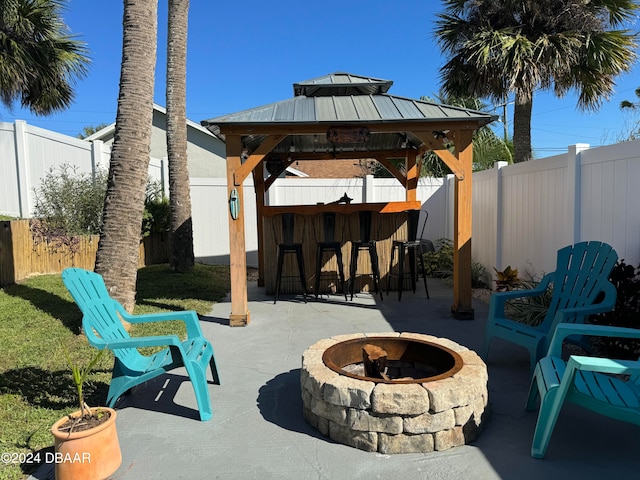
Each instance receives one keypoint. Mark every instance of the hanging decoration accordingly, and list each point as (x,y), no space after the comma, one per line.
(234,204)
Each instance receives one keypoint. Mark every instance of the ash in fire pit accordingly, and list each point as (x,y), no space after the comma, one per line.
(394,393)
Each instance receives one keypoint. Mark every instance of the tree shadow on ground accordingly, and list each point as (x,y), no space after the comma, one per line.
(51,390)
(64,310)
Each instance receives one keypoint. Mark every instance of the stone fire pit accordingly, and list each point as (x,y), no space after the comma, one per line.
(419,407)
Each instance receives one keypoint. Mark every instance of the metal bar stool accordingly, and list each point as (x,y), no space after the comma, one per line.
(329,244)
(365,243)
(288,246)
(411,246)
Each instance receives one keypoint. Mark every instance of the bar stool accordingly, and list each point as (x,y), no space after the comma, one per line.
(288,246)
(365,243)
(329,244)
(412,246)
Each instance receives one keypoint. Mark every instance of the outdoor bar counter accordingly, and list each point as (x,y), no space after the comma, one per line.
(388,223)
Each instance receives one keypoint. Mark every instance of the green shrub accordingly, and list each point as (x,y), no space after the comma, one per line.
(157,212)
(70,202)
(439,264)
(529,310)
(626,312)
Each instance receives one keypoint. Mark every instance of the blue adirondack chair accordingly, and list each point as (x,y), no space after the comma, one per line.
(586,381)
(102,326)
(580,279)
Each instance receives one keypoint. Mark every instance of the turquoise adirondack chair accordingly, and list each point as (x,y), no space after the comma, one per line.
(581,276)
(102,326)
(586,381)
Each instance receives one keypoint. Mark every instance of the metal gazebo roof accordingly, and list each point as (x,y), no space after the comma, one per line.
(342,98)
(342,115)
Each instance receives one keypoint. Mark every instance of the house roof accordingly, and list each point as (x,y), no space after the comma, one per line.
(109,130)
(345,99)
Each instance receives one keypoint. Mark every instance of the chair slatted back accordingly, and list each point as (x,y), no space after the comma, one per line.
(99,310)
(581,272)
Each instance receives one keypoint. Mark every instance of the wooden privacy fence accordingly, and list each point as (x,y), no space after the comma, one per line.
(22,256)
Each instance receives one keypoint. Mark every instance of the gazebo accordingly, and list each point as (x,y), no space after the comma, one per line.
(340,116)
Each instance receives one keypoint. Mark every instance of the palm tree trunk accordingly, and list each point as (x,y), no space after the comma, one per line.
(182,256)
(118,248)
(522,130)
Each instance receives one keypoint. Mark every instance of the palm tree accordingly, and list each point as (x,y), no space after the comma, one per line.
(118,248)
(39,60)
(182,256)
(515,47)
(633,127)
(488,148)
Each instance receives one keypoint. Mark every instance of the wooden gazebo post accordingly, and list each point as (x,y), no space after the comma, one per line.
(461,164)
(237,255)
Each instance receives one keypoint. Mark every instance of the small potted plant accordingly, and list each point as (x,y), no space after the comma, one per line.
(86,441)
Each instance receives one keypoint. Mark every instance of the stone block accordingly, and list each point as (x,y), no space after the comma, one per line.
(314,377)
(430,422)
(399,399)
(362,440)
(366,421)
(456,347)
(447,394)
(390,444)
(330,412)
(348,392)
(344,338)
(446,439)
(463,414)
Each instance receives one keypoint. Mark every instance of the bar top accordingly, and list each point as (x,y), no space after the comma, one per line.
(383,207)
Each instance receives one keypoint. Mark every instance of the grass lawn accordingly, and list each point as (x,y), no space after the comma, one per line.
(39,322)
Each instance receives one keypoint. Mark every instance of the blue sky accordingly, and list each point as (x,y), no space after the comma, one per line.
(244,54)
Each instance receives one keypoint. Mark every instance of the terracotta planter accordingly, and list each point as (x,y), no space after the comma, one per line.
(93,454)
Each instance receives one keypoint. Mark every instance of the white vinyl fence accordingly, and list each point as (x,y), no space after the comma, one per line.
(28,154)
(522,214)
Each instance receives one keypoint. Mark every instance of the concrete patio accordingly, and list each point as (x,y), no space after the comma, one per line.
(258,432)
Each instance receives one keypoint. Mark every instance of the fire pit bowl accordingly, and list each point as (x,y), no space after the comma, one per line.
(394,393)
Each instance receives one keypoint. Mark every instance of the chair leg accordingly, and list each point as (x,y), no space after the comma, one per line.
(373,254)
(352,269)
(199,382)
(401,257)
(393,254)
(341,270)
(319,253)
(412,267)
(303,278)
(424,275)
(279,274)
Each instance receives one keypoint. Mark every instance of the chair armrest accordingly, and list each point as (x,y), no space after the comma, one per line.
(139,342)
(604,365)
(564,330)
(132,342)
(498,300)
(189,317)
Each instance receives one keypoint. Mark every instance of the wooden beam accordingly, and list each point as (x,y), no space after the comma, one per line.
(392,169)
(237,246)
(256,157)
(274,176)
(258,181)
(411,182)
(462,223)
(445,155)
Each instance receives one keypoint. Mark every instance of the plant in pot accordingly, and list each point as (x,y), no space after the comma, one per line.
(86,441)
